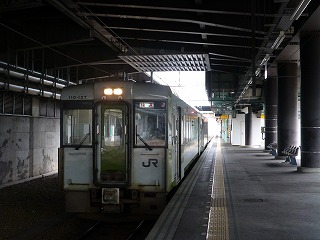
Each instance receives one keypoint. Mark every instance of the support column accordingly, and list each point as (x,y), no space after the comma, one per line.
(271,111)
(287,105)
(310,103)
(248,127)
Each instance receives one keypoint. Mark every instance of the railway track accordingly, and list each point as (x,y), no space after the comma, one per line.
(118,231)
(73,227)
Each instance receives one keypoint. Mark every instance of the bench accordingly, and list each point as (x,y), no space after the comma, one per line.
(291,152)
(273,148)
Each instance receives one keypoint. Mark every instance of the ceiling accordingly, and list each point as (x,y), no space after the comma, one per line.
(49,44)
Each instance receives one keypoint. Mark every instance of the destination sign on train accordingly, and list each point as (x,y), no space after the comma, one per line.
(146,104)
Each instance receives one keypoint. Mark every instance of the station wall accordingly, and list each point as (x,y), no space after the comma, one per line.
(238,130)
(28,145)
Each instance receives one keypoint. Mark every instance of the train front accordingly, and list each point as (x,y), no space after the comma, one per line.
(113,149)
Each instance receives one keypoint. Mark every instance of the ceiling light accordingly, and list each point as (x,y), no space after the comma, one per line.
(299,10)
(265,70)
(257,72)
(265,59)
(278,40)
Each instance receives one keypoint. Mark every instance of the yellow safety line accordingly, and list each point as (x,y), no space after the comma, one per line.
(218,216)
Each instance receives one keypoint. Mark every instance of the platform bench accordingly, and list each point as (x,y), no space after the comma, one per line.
(291,152)
(273,148)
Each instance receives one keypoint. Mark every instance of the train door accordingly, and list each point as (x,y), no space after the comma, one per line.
(177,142)
(179,137)
(111,154)
(199,134)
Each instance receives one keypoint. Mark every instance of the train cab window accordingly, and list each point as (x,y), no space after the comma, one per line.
(113,127)
(77,127)
(150,123)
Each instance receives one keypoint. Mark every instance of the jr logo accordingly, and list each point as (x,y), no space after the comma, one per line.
(154,162)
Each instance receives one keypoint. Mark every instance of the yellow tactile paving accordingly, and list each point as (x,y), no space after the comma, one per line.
(218,216)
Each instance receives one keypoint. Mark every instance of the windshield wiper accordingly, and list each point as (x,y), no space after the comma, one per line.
(144,142)
(82,141)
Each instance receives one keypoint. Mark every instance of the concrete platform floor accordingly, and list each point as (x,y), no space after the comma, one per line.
(268,198)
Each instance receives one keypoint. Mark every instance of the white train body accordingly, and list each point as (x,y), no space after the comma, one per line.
(124,152)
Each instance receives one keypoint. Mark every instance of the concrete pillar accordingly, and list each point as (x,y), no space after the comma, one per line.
(310,102)
(287,105)
(248,127)
(271,110)
(35,107)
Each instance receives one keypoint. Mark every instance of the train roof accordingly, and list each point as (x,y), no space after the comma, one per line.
(131,90)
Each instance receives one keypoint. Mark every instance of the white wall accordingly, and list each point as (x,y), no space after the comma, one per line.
(238,131)
(256,131)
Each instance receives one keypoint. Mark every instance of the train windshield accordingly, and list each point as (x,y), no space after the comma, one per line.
(150,123)
(77,127)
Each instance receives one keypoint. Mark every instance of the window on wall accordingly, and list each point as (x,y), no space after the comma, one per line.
(49,107)
(43,107)
(27,103)
(8,103)
(21,104)
(15,103)
(18,104)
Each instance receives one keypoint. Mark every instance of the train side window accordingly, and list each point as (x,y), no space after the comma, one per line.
(77,126)
(194,128)
(187,128)
(182,129)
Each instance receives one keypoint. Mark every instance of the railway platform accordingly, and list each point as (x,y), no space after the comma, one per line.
(242,193)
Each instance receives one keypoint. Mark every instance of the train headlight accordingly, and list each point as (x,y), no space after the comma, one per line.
(113,91)
(108,91)
(117,91)
(110,195)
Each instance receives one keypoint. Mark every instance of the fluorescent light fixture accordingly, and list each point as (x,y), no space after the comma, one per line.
(257,72)
(265,59)
(278,40)
(299,10)
(266,70)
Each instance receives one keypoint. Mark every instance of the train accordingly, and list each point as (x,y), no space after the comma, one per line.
(125,146)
